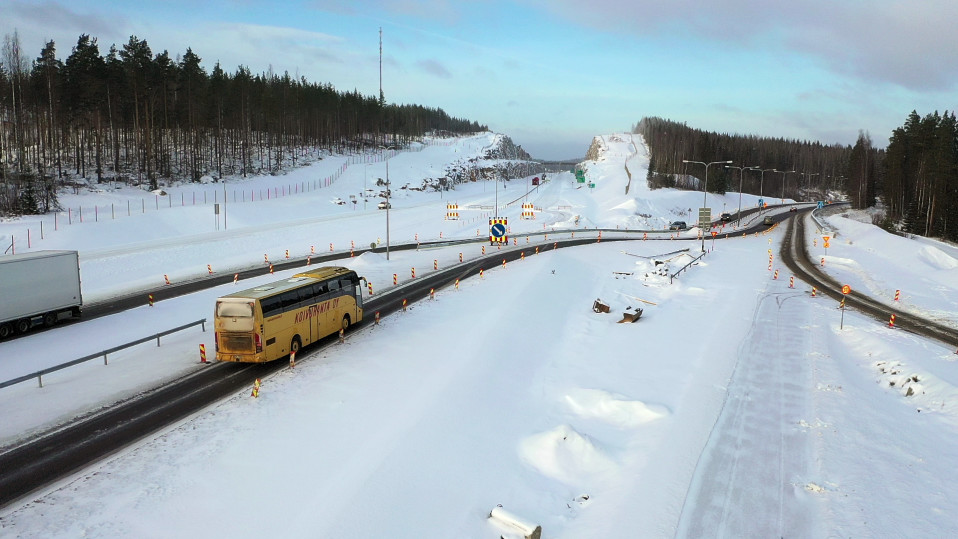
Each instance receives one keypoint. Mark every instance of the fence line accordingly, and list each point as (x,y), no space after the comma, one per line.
(39,374)
(72,216)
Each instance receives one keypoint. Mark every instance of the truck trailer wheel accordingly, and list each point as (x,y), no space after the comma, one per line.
(50,319)
(5,331)
(23,325)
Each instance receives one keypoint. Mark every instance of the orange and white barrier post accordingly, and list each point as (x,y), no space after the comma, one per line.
(377,318)
(813,291)
(457,288)
(255,393)
(287,254)
(151,300)
(209,268)
(435,265)
(270,269)
(897,294)
(330,247)
(309,260)
(460,258)
(823,261)
(292,359)
(522,255)
(370,286)
(166,278)
(395,279)
(202,353)
(312,249)
(432,293)
(413,272)
(645,236)
(776,275)
(891,321)
(265,258)
(235,277)
(483,249)
(342,335)
(503,263)
(404,302)
(791,282)
(537,249)
(480,273)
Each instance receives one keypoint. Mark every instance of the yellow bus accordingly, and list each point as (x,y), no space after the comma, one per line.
(269,321)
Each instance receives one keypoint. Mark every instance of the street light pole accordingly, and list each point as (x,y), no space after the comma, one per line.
(761,185)
(365,170)
(784,172)
(705,192)
(807,175)
(741,172)
(388,204)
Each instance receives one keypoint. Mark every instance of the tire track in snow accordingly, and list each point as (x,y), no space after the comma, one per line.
(744,483)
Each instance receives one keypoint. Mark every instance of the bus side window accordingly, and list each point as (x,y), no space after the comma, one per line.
(290,300)
(271,306)
(319,292)
(307,295)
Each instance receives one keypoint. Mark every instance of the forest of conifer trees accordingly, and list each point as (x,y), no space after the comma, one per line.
(135,116)
(915,177)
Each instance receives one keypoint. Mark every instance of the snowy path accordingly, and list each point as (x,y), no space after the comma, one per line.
(745,483)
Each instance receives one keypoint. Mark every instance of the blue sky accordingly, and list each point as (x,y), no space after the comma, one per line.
(553,73)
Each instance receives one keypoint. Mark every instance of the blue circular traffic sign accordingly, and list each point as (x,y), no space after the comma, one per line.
(498,230)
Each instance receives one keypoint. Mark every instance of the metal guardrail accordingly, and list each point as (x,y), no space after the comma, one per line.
(694,260)
(39,374)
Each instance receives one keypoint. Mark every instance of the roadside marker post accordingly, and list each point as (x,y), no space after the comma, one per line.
(202,353)
(845,290)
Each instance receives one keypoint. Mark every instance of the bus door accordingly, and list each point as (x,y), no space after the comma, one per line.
(318,323)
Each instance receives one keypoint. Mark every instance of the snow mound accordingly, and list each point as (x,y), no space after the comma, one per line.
(612,408)
(565,455)
(937,258)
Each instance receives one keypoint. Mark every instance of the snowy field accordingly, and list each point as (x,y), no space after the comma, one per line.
(734,407)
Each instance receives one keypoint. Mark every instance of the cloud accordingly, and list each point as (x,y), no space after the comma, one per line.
(439,10)
(911,45)
(433,67)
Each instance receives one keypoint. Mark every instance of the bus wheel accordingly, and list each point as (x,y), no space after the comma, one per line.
(295,345)
(5,331)
(346,322)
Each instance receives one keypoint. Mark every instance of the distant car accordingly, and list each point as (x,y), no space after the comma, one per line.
(768,220)
(726,217)
(793,208)
(384,205)
(677,225)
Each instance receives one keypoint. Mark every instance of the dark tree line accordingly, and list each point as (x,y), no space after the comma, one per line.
(920,187)
(132,115)
(811,169)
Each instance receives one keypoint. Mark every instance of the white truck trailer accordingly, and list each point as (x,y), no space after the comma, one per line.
(38,288)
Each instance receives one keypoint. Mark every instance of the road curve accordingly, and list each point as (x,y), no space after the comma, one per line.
(794,253)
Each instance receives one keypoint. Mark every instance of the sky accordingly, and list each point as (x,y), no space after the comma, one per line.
(777,418)
(552,74)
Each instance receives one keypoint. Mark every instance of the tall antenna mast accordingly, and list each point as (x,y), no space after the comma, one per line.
(382,103)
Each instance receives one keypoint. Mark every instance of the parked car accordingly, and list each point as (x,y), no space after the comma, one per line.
(384,205)
(726,217)
(677,225)
(793,208)
(768,220)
